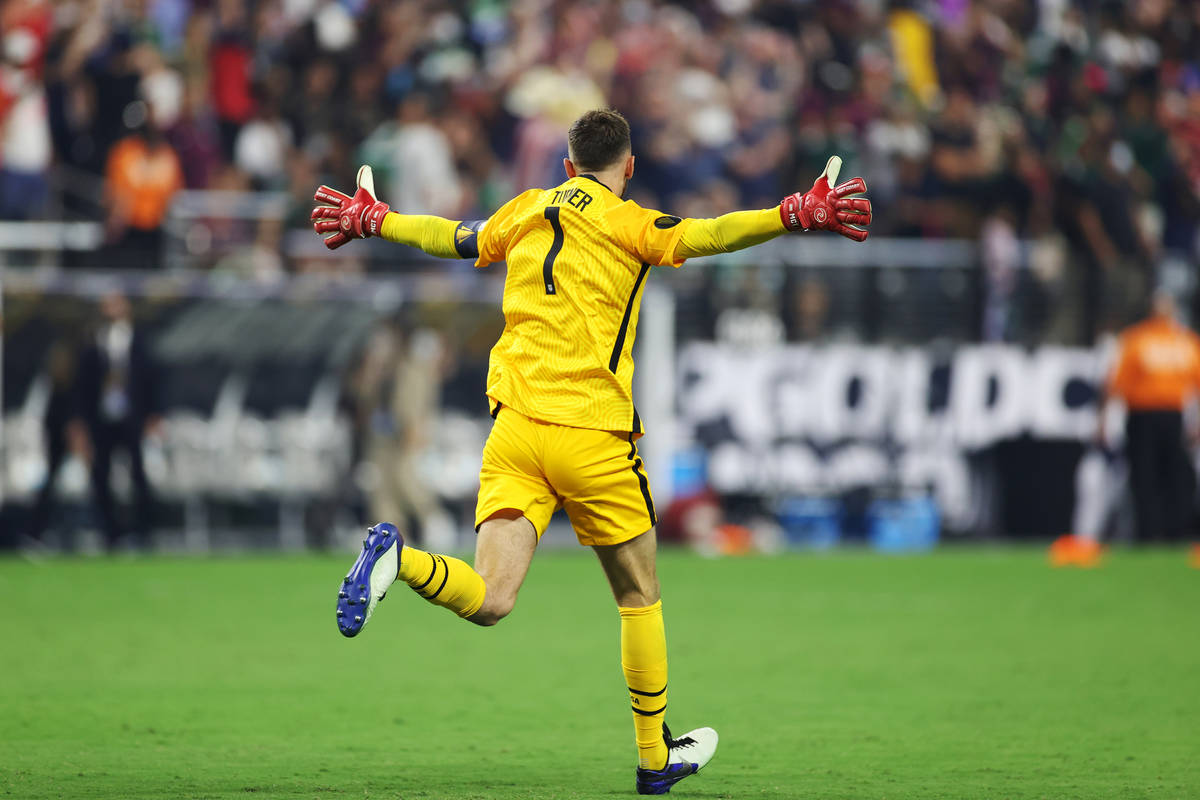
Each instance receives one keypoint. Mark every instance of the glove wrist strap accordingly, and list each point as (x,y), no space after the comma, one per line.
(792,213)
(372,218)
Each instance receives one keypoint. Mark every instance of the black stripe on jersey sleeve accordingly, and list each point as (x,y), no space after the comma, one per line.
(619,345)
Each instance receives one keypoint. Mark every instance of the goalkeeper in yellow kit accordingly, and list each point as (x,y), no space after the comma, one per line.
(560,391)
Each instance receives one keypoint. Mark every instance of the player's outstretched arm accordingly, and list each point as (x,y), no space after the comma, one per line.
(842,209)
(364,215)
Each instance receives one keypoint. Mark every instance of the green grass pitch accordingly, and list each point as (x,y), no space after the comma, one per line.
(962,674)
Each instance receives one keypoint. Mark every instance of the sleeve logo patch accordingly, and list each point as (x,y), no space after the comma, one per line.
(665,222)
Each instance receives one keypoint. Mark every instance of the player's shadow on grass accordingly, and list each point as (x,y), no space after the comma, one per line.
(692,791)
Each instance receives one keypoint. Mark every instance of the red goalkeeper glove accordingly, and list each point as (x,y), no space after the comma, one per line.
(349,218)
(841,209)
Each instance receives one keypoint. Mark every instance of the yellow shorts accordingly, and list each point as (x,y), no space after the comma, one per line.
(537,467)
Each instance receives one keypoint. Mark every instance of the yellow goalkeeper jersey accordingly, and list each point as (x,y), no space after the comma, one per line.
(578,257)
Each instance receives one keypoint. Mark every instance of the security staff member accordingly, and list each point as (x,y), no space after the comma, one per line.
(1157,372)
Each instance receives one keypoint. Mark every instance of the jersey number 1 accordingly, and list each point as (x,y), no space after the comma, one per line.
(551,214)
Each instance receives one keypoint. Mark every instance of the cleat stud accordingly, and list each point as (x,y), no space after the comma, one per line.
(362,587)
(342,595)
(341,613)
(346,580)
(378,548)
(362,600)
(358,619)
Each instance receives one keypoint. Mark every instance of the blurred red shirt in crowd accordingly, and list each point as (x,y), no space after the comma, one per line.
(232,96)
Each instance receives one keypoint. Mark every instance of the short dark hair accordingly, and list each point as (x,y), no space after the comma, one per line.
(598,139)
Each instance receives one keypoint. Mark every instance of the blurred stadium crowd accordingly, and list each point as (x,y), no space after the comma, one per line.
(1072,120)
(1034,167)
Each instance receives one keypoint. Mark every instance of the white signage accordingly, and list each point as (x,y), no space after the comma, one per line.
(802,419)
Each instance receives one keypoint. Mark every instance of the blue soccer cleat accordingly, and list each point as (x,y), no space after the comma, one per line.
(685,756)
(368,580)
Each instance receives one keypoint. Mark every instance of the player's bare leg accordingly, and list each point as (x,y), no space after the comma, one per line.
(631,570)
(484,595)
(662,759)
(503,552)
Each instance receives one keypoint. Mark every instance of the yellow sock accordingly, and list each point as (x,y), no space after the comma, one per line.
(644,660)
(442,580)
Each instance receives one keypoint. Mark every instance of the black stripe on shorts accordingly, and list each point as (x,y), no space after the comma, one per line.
(642,481)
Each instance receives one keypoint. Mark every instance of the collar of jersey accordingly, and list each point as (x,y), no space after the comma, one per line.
(591,177)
